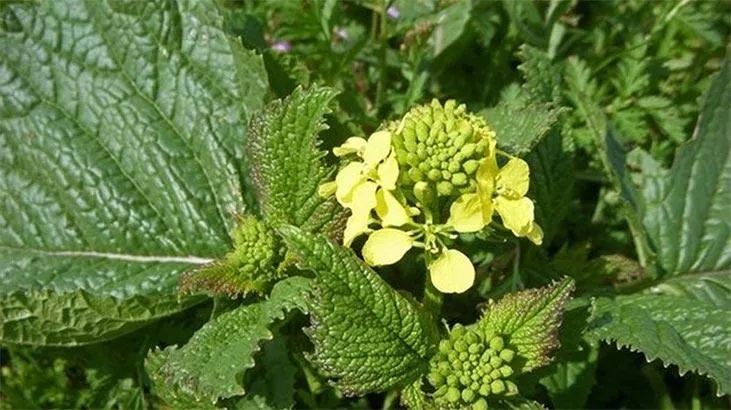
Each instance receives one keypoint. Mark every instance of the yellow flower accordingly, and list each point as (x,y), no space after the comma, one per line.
(362,186)
(502,190)
(451,272)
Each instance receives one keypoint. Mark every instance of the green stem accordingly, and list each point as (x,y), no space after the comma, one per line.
(432,297)
(390,400)
(383,47)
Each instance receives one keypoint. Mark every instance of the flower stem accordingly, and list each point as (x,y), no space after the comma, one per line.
(432,299)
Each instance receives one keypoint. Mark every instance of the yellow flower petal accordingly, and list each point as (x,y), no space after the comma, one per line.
(357,225)
(386,246)
(485,176)
(377,148)
(350,146)
(512,179)
(517,214)
(465,214)
(364,197)
(535,234)
(348,178)
(390,210)
(388,173)
(326,189)
(452,272)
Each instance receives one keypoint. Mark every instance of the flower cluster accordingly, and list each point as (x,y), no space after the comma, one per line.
(469,368)
(428,178)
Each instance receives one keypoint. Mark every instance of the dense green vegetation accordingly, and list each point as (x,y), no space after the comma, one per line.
(163,243)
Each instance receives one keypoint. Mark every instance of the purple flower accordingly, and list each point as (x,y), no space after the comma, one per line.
(282,46)
(393,12)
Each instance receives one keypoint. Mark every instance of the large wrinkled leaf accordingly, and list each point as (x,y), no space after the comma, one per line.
(121,147)
(688,330)
(287,165)
(208,365)
(367,336)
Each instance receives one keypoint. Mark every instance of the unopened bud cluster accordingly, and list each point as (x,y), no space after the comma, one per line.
(442,146)
(256,248)
(469,368)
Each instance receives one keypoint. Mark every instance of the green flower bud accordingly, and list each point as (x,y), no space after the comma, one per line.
(468,395)
(495,374)
(507,355)
(512,388)
(444,188)
(497,343)
(444,138)
(452,395)
(497,386)
(506,371)
(480,404)
(465,364)
(452,380)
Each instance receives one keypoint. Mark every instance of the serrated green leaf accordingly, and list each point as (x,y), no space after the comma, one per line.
(270,385)
(166,394)
(570,378)
(691,333)
(520,126)
(367,336)
(413,397)
(711,288)
(542,76)
(530,320)
(208,365)
(551,182)
(120,155)
(287,166)
(686,210)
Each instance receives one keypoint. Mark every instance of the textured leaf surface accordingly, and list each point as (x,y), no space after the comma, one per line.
(270,385)
(687,210)
(552,182)
(167,394)
(367,336)
(286,163)
(530,320)
(209,363)
(121,129)
(691,333)
(520,125)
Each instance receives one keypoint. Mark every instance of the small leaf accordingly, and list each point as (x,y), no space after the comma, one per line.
(208,365)
(286,164)
(520,126)
(367,336)
(530,320)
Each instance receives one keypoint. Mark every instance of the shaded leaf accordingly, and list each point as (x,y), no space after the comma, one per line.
(209,364)
(691,333)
